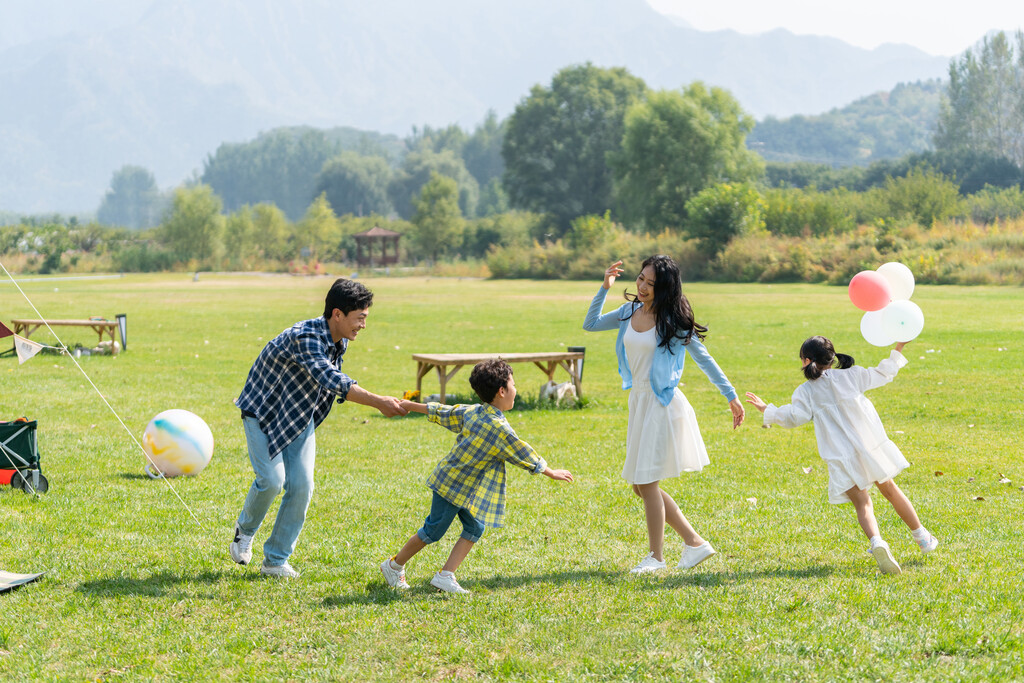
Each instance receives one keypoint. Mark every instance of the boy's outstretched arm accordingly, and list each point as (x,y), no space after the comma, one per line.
(414,407)
(558,475)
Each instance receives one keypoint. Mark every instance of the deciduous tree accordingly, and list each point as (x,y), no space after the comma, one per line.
(558,139)
(676,144)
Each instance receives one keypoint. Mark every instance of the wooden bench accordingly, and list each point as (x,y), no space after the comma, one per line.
(25,328)
(572,361)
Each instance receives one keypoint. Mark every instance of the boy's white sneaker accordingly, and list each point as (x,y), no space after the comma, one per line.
(887,564)
(694,555)
(648,565)
(394,577)
(281,571)
(448,584)
(241,547)
(928,544)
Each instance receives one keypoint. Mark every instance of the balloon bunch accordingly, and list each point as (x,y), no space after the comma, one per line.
(885,296)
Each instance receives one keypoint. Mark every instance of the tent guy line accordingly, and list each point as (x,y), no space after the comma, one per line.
(103,398)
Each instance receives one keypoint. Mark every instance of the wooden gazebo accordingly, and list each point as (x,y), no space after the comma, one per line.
(366,240)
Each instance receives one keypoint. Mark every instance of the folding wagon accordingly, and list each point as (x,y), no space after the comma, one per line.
(19,457)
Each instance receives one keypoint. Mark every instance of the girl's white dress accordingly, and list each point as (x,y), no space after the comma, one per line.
(850,435)
(661,441)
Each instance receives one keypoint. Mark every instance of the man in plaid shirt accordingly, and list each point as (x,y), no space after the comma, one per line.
(470,481)
(290,390)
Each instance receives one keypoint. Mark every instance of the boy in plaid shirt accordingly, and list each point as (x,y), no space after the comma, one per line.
(470,481)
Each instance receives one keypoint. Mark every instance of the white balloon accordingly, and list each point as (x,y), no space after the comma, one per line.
(900,279)
(873,331)
(902,320)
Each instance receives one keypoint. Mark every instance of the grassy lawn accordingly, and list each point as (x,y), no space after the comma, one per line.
(138,590)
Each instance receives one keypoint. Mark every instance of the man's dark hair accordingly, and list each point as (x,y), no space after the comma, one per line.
(489,376)
(348,296)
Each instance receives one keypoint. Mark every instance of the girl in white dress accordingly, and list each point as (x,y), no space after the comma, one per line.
(656,333)
(851,439)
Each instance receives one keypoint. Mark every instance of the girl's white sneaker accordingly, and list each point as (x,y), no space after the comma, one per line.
(887,564)
(928,544)
(648,565)
(694,555)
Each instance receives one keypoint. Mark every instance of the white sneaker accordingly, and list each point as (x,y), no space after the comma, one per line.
(448,584)
(887,564)
(928,544)
(694,555)
(281,571)
(241,547)
(394,577)
(648,565)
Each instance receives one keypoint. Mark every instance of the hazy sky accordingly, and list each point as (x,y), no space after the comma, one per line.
(939,27)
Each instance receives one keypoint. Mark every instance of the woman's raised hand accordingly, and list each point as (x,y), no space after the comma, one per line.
(613,271)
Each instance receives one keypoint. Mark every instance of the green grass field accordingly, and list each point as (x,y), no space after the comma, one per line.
(138,590)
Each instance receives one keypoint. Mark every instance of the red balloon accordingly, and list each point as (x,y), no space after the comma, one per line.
(870,291)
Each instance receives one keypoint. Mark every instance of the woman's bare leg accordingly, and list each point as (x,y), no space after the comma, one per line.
(675,519)
(654,512)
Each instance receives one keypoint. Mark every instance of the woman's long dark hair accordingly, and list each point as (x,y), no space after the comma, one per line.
(672,313)
(822,355)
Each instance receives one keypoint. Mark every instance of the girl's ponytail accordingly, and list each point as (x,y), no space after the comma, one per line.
(813,371)
(821,354)
(844,361)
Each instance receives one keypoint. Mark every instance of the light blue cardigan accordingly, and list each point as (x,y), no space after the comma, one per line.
(667,368)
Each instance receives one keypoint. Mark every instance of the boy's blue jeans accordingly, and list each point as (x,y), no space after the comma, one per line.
(292,471)
(442,513)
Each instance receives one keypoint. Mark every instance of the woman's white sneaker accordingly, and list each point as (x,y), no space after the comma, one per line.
(694,555)
(648,565)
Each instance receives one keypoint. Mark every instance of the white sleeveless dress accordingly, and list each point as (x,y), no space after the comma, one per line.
(661,441)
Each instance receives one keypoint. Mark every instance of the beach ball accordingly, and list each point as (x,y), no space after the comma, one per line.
(902,320)
(870,291)
(901,280)
(178,443)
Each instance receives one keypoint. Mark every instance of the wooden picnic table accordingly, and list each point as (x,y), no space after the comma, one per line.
(572,361)
(25,328)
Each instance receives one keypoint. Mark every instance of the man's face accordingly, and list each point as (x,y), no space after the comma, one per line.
(348,326)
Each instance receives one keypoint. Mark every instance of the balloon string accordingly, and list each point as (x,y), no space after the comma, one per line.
(64,350)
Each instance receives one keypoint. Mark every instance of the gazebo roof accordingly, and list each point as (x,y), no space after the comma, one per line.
(377,231)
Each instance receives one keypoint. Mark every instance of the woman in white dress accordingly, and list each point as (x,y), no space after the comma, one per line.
(851,438)
(656,332)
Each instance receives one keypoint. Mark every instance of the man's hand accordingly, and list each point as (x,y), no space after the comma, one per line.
(389,406)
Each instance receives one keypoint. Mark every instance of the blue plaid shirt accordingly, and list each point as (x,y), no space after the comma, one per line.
(295,379)
(472,476)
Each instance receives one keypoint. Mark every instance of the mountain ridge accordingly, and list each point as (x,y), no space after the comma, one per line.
(164,91)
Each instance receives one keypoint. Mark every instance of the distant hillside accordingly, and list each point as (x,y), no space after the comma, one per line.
(885,125)
(165,90)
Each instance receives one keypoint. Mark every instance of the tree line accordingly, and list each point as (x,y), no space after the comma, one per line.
(594,142)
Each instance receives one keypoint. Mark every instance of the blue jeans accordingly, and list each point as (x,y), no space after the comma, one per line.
(442,513)
(292,471)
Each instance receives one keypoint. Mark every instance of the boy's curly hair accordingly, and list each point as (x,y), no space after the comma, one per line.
(489,376)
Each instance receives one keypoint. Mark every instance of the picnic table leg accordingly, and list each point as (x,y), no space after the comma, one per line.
(422,368)
(572,366)
(549,370)
(445,376)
